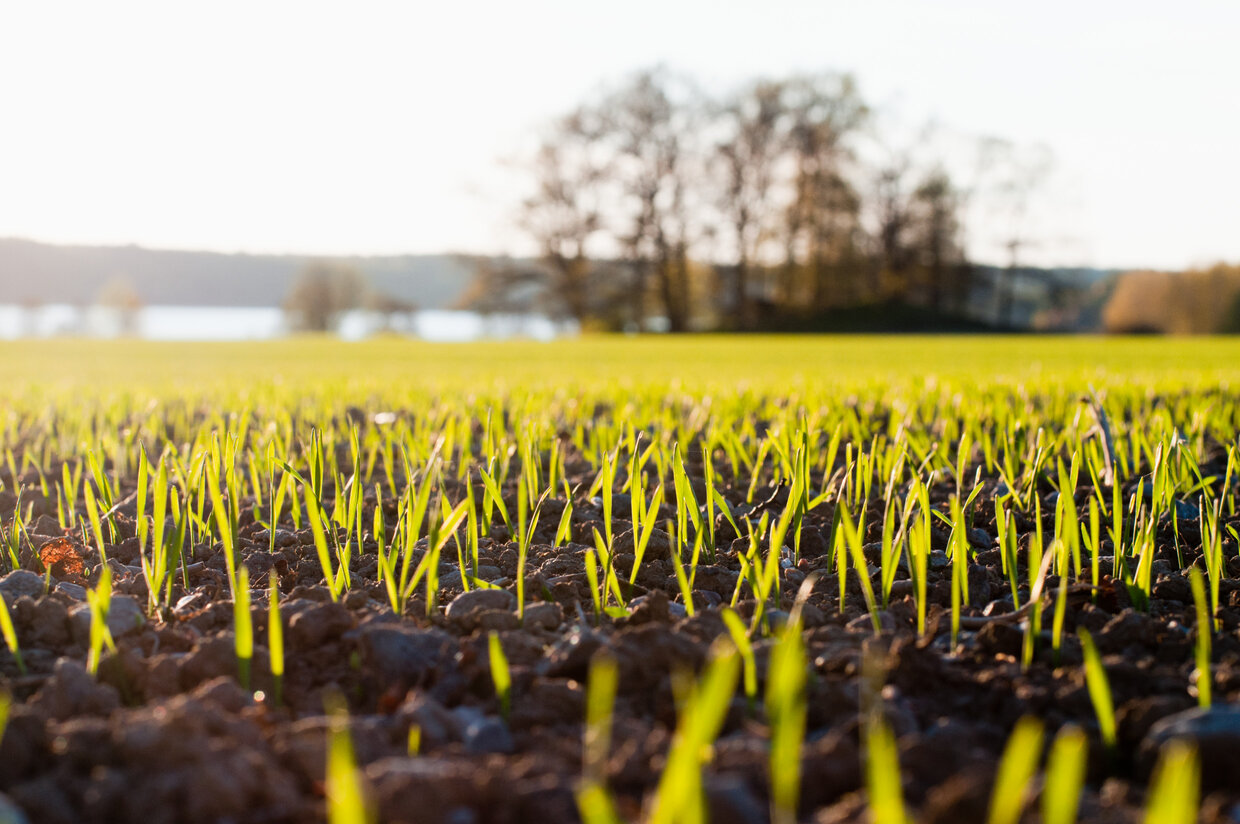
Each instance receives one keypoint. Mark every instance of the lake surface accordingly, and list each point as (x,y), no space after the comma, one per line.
(260,323)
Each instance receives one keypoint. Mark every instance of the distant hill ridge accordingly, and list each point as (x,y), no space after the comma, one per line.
(33,272)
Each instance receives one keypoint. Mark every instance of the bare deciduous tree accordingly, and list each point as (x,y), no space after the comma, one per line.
(322,292)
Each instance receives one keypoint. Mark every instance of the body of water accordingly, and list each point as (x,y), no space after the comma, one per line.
(261,323)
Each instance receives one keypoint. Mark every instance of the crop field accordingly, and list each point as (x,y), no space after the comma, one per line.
(621,579)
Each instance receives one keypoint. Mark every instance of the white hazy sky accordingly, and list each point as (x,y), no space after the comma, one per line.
(367,127)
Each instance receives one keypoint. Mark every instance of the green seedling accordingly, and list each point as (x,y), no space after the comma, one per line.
(1065,777)
(749,672)
(275,640)
(10,636)
(346,798)
(1016,770)
(679,796)
(786,711)
(501,678)
(593,799)
(882,774)
(1205,629)
(243,627)
(6,704)
(1175,786)
(99,601)
(1099,689)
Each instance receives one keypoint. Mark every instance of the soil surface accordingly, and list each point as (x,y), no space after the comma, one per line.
(166,733)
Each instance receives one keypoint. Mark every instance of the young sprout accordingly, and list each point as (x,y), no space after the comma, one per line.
(1099,689)
(882,773)
(595,806)
(500,675)
(1175,786)
(335,581)
(1016,770)
(740,637)
(786,711)
(592,579)
(10,636)
(275,640)
(1205,627)
(346,800)
(593,800)
(679,796)
(1065,777)
(243,626)
(6,703)
(601,686)
(99,600)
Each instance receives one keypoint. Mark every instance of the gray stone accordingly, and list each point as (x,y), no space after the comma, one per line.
(486,572)
(864,623)
(659,545)
(570,656)
(75,591)
(546,615)
(488,735)
(10,813)
(438,725)
(401,654)
(496,620)
(434,788)
(124,616)
(731,801)
(465,608)
(1184,511)
(20,582)
(318,624)
(980,538)
(1216,734)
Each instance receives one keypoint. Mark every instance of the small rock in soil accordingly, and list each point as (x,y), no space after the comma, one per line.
(211,658)
(495,620)
(487,734)
(1124,630)
(314,626)
(652,607)
(570,656)
(1001,639)
(730,800)
(410,790)
(10,813)
(76,592)
(20,582)
(658,546)
(1216,734)
(400,654)
(438,726)
(546,615)
(125,615)
(1174,588)
(464,609)
(864,623)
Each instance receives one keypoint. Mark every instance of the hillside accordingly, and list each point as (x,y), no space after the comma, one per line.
(32,272)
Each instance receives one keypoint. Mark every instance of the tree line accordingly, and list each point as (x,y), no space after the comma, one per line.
(656,203)
(1198,301)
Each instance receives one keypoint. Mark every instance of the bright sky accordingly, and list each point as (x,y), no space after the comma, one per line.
(367,127)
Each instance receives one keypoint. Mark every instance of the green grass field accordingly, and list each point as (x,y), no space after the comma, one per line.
(869,481)
(699,363)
